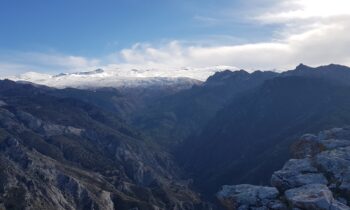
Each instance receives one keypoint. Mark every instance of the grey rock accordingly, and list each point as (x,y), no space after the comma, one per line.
(300,165)
(310,145)
(277,205)
(336,164)
(307,146)
(247,195)
(284,181)
(335,133)
(313,197)
(53,129)
(334,143)
(296,173)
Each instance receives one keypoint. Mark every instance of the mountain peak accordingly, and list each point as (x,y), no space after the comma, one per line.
(302,66)
(226,74)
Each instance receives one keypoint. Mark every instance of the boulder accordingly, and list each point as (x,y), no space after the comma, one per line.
(313,197)
(296,173)
(334,162)
(300,165)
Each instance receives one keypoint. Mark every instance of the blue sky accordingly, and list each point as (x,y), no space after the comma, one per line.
(93,27)
(40,35)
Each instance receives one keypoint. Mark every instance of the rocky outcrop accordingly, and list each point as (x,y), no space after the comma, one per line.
(318,178)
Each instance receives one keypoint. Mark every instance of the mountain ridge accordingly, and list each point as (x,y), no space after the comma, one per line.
(123,77)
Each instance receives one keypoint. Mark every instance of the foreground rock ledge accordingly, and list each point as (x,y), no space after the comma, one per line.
(317,179)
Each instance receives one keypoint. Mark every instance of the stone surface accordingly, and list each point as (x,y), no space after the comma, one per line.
(335,133)
(310,145)
(243,195)
(313,197)
(334,143)
(296,173)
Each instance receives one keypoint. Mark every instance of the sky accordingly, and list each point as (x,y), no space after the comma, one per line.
(81,35)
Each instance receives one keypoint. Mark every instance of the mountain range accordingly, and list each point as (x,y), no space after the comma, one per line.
(83,141)
(123,77)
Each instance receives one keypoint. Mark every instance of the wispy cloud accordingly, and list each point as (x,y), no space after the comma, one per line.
(207,21)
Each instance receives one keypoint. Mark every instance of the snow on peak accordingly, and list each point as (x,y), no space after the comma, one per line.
(121,76)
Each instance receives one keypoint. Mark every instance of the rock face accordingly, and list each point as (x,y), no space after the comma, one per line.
(317,179)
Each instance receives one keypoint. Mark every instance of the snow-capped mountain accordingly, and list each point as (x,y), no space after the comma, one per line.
(123,77)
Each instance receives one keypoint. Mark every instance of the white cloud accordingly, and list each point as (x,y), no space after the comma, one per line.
(314,32)
(325,44)
(292,10)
